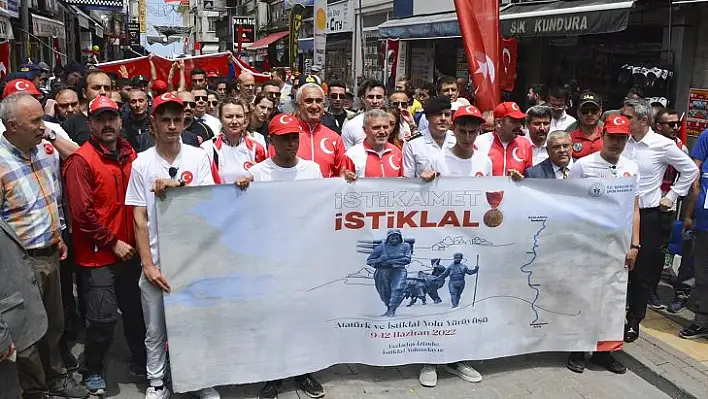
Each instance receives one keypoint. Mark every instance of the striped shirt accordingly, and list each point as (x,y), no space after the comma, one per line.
(30,193)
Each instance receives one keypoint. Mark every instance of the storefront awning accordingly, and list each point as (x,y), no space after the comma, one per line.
(305,45)
(551,18)
(264,42)
(565,18)
(47,27)
(84,20)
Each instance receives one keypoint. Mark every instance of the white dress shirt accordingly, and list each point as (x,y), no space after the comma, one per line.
(653,153)
(353,131)
(559,171)
(540,153)
(562,123)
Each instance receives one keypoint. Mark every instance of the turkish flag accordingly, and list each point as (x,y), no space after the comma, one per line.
(479,25)
(4,59)
(507,71)
(683,130)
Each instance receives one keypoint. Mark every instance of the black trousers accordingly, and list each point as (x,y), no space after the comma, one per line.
(74,311)
(649,265)
(107,289)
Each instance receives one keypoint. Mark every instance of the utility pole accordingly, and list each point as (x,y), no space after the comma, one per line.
(24,20)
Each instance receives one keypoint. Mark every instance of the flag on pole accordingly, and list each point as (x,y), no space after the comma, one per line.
(479,25)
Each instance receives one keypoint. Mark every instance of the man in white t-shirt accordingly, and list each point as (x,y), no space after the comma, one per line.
(374,97)
(168,164)
(609,163)
(461,159)
(284,134)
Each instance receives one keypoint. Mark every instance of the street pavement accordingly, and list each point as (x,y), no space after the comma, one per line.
(542,376)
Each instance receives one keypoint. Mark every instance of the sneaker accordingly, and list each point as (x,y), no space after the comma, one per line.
(631,332)
(310,386)
(66,387)
(428,376)
(95,384)
(576,362)
(654,302)
(270,390)
(157,393)
(209,393)
(606,360)
(464,371)
(693,331)
(677,304)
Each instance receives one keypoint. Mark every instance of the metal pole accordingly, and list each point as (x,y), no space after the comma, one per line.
(24,20)
(355,52)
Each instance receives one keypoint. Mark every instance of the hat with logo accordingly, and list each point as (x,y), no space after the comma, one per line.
(284,124)
(101,105)
(166,98)
(589,98)
(510,109)
(18,85)
(436,105)
(617,124)
(470,111)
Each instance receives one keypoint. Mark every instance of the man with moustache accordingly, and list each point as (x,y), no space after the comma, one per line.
(510,154)
(558,163)
(587,138)
(195,132)
(336,114)
(104,243)
(375,157)
(538,120)
(135,125)
(558,103)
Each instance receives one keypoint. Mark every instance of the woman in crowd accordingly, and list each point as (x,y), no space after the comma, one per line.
(394,134)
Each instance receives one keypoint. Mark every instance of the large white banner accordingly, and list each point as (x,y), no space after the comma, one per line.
(292,277)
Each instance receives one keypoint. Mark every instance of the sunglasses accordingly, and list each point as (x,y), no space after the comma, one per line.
(173,172)
(201,98)
(337,96)
(190,104)
(399,104)
(588,111)
(213,103)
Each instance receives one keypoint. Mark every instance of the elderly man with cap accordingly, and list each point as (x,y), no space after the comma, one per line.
(375,157)
(31,203)
(285,133)
(104,243)
(608,163)
(422,150)
(587,138)
(510,153)
(166,165)
(461,159)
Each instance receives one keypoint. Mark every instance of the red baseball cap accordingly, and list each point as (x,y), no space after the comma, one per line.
(469,110)
(284,124)
(617,124)
(159,86)
(165,98)
(18,85)
(102,104)
(213,74)
(510,109)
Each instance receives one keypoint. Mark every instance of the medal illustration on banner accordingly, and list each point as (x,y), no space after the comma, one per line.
(494,217)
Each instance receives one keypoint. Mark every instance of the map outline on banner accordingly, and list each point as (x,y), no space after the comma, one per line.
(238,293)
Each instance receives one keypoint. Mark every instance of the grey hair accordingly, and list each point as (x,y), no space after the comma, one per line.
(558,134)
(538,111)
(374,113)
(8,106)
(641,108)
(298,95)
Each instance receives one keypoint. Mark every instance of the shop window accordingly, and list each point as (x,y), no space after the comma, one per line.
(212,21)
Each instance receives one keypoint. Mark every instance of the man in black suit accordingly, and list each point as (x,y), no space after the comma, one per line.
(559,160)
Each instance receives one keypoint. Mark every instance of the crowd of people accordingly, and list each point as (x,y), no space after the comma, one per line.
(84,154)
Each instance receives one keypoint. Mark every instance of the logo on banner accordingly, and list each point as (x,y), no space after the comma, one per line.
(494,217)
(597,190)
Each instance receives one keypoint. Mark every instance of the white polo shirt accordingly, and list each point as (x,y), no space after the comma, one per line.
(192,166)
(269,171)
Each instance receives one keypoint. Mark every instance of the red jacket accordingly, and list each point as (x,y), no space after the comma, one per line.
(322,146)
(96,181)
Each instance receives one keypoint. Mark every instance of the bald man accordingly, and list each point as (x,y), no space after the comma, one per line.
(246,85)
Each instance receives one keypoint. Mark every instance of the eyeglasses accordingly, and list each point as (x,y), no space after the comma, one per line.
(190,104)
(213,103)
(173,172)
(337,96)
(201,98)
(399,104)
(588,111)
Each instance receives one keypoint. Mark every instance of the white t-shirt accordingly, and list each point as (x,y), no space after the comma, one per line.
(353,131)
(192,166)
(450,164)
(269,171)
(595,166)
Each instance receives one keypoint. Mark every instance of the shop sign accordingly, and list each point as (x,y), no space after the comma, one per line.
(134,33)
(246,26)
(340,17)
(697,115)
(5,29)
(99,31)
(566,24)
(9,8)
(45,27)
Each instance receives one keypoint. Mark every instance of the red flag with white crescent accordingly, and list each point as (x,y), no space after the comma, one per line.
(507,68)
(479,26)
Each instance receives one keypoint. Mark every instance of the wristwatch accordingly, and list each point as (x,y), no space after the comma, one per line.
(637,247)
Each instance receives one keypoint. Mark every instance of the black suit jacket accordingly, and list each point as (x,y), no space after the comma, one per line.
(544,170)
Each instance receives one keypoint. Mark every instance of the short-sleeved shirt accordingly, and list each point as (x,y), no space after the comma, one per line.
(192,166)
(451,165)
(269,171)
(700,152)
(421,151)
(584,146)
(595,166)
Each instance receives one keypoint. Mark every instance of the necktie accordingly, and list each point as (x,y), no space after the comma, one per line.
(565,172)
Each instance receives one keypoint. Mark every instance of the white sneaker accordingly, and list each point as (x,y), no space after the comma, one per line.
(153,393)
(464,371)
(428,376)
(209,393)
